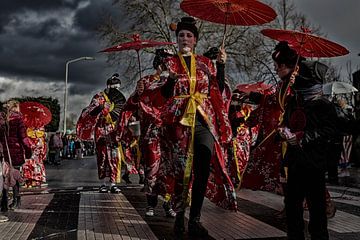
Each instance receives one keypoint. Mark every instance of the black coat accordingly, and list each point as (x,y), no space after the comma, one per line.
(315,122)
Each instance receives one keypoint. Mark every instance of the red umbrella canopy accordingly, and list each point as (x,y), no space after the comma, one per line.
(136,44)
(259,87)
(35,114)
(306,44)
(232,12)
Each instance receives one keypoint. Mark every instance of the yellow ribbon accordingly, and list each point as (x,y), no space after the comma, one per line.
(119,149)
(31,133)
(195,99)
(108,116)
(236,160)
(120,153)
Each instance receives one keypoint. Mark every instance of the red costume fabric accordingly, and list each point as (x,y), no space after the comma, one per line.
(263,170)
(244,136)
(145,107)
(95,121)
(176,137)
(33,170)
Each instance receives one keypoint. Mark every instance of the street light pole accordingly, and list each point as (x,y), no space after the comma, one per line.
(66,82)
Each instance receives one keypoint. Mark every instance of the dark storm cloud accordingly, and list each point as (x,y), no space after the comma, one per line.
(38,37)
(9,7)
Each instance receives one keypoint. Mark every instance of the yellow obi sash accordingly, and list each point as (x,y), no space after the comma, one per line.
(32,133)
(195,99)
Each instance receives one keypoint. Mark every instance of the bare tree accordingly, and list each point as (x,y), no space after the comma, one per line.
(249,52)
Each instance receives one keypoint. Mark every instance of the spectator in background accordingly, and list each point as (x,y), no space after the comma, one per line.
(17,146)
(65,150)
(78,148)
(71,147)
(55,146)
(3,218)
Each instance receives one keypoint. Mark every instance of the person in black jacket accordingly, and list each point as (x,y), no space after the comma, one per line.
(309,124)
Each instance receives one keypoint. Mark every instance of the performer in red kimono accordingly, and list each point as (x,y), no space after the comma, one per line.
(263,170)
(33,170)
(196,125)
(144,104)
(100,118)
(244,135)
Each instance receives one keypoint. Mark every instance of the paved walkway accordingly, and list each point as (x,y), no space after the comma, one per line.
(83,213)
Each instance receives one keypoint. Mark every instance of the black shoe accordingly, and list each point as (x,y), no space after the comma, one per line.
(196,229)
(126,178)
(169,212)
(15,204)
(115,189)
(179,226)
(103,189)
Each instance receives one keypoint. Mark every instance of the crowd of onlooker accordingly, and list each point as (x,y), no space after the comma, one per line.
(67,146)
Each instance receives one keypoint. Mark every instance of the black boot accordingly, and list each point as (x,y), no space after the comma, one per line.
(196,228)
(16,203)
(179,226)
(126,178)
(168,210)
(141,178)
(4,201)
(16,197)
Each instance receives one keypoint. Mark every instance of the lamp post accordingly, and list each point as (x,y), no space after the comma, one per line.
(66,81)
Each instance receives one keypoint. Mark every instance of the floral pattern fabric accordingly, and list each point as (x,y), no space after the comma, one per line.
(94,122)
(176,137)
(33,169)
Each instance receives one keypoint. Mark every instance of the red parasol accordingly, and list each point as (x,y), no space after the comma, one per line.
(232,12)
(136,45)
(259,87)
(35,114)
(306,44)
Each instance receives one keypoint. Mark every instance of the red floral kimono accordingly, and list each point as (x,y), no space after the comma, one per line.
(198,95)
(243,138)
(33,169)
(145,106)
(96,120)
(263,170)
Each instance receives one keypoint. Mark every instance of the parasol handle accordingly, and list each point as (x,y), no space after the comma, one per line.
(224,36)
(138,56)
(225,23)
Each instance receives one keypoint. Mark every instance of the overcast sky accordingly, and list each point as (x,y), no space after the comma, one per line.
(37,37)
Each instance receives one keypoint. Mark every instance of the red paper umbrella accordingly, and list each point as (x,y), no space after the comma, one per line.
(259,87)
(232,12)
(35,114)
(306,44)
(136,45)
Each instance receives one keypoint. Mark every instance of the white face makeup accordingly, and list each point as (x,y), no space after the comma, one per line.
(186,41)
(117,86)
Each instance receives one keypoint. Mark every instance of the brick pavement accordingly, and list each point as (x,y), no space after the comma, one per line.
(110,216)
(53,215)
